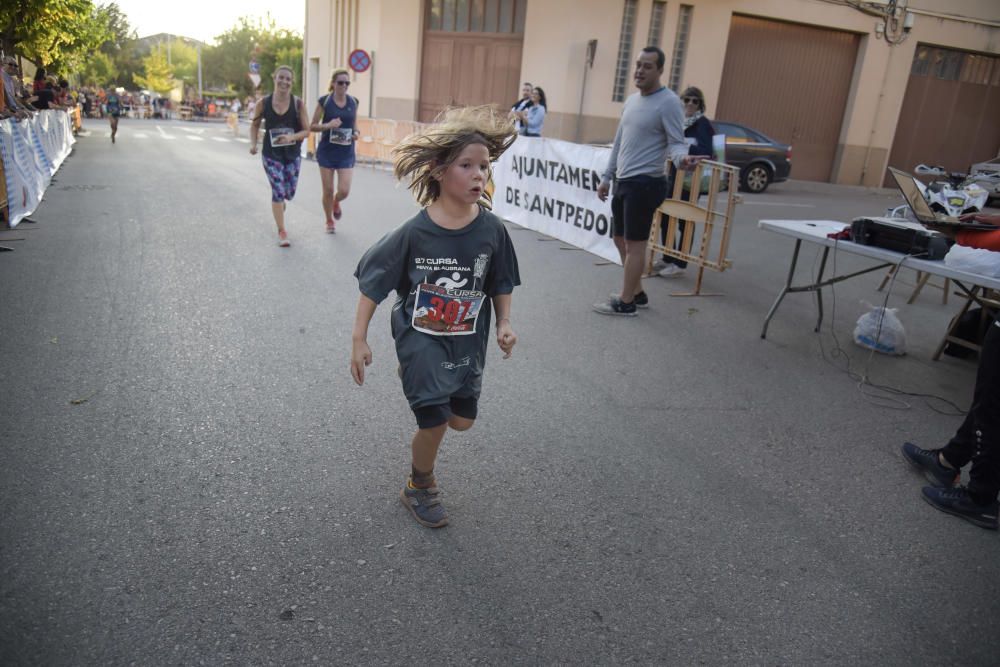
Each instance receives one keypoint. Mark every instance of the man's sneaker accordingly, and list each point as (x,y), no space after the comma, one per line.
(425,506)
(959,503)
(659,265)
(641,300)
(927,462)
(614,306)
(283,239)
(671,271)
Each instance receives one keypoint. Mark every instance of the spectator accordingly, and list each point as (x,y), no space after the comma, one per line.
(40,78)
(651,129)
(978,438)
(698,132)
(533,117)
(521,105)
(11,106)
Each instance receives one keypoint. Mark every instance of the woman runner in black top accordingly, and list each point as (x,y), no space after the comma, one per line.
(285,126)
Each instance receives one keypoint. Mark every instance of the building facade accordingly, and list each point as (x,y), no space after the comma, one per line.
(852,87)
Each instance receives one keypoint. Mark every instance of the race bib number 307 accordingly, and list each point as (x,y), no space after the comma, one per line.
(439,311)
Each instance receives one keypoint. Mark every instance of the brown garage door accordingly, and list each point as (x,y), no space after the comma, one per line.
(471,54)
(790,82)
(949,114)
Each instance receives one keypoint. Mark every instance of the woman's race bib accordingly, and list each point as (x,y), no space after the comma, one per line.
(279,132)
(440,311)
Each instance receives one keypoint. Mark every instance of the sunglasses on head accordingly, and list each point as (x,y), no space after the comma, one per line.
(691,100)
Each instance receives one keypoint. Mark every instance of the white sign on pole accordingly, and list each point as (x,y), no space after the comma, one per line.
(550,186)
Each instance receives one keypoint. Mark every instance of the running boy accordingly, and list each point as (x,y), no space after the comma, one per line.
(443,263)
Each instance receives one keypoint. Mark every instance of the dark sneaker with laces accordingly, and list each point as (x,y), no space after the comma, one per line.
(615,306)
(926,461)
(425,506)
(958,502)
(641,300)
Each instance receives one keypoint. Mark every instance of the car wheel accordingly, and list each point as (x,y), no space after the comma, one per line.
(755,178)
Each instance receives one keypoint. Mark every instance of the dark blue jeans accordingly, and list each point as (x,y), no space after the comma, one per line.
(978,438)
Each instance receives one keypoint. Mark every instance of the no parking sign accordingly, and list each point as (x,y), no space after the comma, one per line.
(359,60)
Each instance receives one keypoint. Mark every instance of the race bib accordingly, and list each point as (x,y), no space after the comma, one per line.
(279,132)
(439,311)
(342,136)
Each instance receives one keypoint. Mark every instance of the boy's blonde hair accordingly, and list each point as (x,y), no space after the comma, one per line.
(423,157)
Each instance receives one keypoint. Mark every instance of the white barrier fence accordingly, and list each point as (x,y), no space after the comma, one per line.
(32,151)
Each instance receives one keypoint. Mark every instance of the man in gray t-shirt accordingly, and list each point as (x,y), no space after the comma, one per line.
(650,131)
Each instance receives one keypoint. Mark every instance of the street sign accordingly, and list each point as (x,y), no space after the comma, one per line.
(359,60)
(255,78)
(254,67)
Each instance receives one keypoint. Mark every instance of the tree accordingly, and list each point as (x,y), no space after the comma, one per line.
(57,34)
(227,63)
(159,75)
(99,70)
(184,59)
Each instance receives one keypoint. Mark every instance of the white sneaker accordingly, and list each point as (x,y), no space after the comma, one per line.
(659,265)
(672,271)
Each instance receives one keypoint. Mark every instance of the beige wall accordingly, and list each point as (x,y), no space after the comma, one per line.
(554,49)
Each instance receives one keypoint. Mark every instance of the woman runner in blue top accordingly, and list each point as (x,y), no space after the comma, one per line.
(335,117)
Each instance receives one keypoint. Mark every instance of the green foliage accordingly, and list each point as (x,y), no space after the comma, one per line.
(99,70)
(184,58)
(159,75)
(57,34)
(227,64)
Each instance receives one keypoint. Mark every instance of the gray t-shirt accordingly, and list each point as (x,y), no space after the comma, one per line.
(444,279)
(651,130)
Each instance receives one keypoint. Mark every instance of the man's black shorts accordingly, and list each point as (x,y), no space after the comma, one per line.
(633,203)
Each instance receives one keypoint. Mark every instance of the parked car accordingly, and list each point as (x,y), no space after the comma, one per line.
(987,176)
(760,159)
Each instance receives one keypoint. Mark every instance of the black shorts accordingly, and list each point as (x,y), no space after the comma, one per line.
(429,416)
(633,204)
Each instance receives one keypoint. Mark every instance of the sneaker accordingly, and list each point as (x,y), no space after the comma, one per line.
(641,300)
(283,239)
(336,210)
(959,503)
(671,271)
(926,461)
(659,265)
(425,506)
(614,306)
(331,227)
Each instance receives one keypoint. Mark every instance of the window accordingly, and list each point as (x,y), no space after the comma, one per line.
(680,46)
(624,64)
(656,23)
(921,61)
(503,16)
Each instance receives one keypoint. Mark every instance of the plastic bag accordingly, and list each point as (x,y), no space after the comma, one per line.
(879,329)
(973,260)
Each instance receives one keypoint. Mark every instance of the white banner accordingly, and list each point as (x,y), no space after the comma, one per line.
(550,186)
(32,151)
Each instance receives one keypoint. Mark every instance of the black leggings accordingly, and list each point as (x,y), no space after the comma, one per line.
(978,438)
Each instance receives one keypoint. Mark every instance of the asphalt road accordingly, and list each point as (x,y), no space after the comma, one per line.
(189,476)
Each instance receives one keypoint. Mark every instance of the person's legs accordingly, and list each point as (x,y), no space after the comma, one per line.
(276,177)
(635,262)
(344,177)
(114,127)
(326,178)
(979,440)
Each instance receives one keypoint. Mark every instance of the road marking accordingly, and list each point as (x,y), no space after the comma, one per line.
(140,135)
(768,203)
(243,140)
(194,138)
(223,139)
(163,134)
(193,130)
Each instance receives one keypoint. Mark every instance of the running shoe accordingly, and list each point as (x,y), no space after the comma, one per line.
(336,210)
(958,502)
(641,300)
(615,306)
(283,239)
(671,271)
(927,462)
(425,506)
(331,227)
